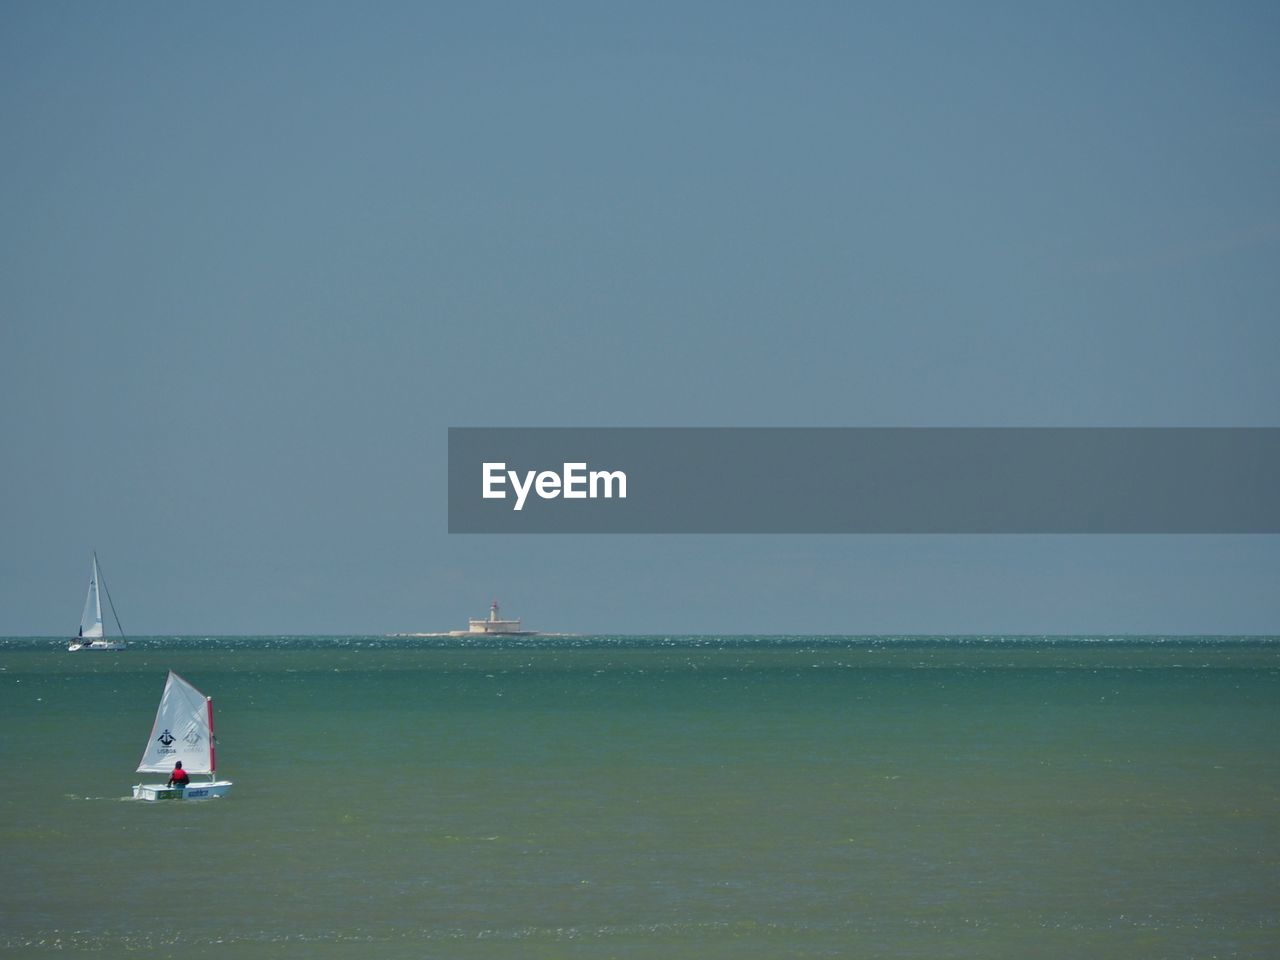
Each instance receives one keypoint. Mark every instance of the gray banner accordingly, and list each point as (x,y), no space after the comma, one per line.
(864,480)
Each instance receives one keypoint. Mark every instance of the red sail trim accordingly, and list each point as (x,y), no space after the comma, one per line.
(208,703)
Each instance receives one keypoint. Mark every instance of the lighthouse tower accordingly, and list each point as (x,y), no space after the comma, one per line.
(494,624)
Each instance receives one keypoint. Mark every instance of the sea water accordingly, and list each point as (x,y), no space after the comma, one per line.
(657,797)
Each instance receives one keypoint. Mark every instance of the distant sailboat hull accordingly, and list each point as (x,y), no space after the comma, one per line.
(195,791)
(97,645)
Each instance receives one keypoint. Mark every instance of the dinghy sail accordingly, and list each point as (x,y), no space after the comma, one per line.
(91,636)
(183,731)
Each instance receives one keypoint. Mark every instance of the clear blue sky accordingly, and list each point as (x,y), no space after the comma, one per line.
(258,257)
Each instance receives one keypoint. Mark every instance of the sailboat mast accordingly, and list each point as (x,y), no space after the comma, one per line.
(97,597)
(111,603)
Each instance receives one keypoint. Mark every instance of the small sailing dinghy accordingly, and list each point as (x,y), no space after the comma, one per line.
(183,731)
(91,636)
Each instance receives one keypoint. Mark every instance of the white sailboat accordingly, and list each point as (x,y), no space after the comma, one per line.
(91,636)
(183,731)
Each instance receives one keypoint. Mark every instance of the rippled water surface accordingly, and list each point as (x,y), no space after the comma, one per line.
(653,797)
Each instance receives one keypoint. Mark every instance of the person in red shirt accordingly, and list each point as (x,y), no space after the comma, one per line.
(179,776)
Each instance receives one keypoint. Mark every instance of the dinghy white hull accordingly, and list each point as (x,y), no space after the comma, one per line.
(195,791)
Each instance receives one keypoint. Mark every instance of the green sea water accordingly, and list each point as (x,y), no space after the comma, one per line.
(652,797)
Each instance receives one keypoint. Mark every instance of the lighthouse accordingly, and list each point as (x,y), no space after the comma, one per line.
(495,624)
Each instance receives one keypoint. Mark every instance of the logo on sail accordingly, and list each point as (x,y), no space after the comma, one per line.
(166,738)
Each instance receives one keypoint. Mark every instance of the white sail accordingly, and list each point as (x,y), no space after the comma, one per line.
(91,619)
(183,731)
